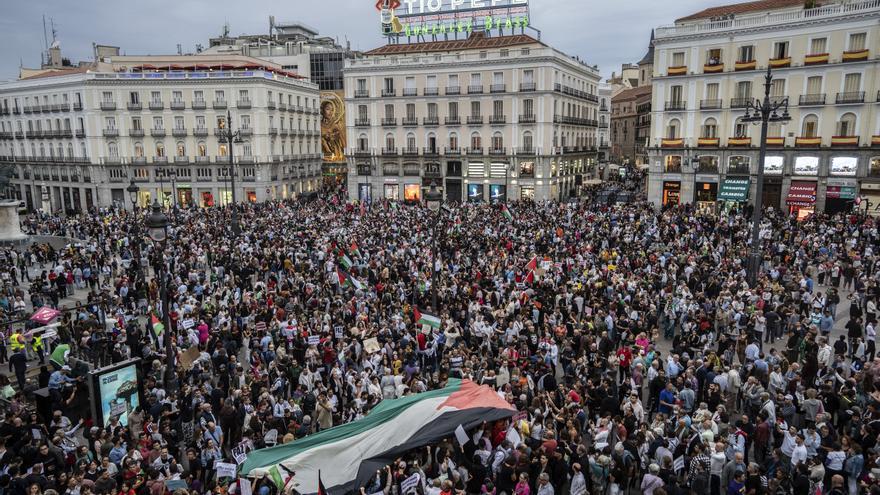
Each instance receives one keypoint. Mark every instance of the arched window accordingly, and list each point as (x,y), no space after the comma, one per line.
(710,128)
(847,125)
(476,141)
(160,149)
(246,149)
(431,142)
(203,149)
(411,141)
(497,141)
(453,141)
(59,150)
(740,128)
(363,143)
(389,142)
(527,141)
(82,149)
(222,149)
(181,149)
(69,150)
(138,150)
(810,126)
(672,129)
(112,150)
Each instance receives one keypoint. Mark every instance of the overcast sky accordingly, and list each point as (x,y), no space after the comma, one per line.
(603,32)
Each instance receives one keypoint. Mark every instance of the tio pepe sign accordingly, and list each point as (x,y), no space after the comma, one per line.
(432,17)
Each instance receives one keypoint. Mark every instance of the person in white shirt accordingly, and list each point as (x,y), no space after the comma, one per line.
(578,484)
(799,454)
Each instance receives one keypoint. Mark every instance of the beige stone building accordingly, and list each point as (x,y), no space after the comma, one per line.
(487,118)
(707,68)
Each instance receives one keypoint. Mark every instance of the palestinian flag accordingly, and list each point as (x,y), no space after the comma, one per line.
(321,489)
(426,319)
(395,426)
(345,278)
(354,251)
(345,261)
(158,327)
(506,212)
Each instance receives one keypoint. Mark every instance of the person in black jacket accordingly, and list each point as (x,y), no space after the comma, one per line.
(18,362)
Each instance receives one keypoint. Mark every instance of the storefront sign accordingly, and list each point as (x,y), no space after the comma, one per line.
(475,193)
(806,165)
(801,194)
(440,17)
(844,166)
(671,193)
(118,392)
(841,192)
(773,165)
(734,189)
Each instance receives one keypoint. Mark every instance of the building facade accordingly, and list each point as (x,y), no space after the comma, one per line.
(486,119)
(76,138)
(604,133)
(629,110)
(709,66)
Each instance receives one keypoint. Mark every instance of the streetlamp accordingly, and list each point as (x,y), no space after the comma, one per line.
(763,111)
(133,191)
(229,137)
(433,200)
(157,230)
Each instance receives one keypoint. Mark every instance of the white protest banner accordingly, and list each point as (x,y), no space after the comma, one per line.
(338,331)
(371,345)
(244,486)
(239,453)
(225,469)
(314,339)
(188,323)
(461,435)
(408,485)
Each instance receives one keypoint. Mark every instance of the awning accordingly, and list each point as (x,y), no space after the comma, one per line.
(801,193)
(734,189)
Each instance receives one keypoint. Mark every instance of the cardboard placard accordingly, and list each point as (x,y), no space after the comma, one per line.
(338,331)
(314,339)
(371,345)
(225,469)
(189,357)
(188,323)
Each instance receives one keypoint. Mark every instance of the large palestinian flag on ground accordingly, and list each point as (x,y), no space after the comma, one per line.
(350,454)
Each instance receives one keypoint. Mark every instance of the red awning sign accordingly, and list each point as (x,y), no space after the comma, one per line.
(45,315)
(802,194)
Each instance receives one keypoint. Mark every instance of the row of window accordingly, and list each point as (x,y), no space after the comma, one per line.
(201,123)
(245,147)
(809,127)
(844,166)
(528,109)
(781,50)
(476,141)
(198,95)
(852,84)
(9,104)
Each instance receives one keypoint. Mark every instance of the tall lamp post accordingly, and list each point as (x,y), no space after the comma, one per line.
(157,230)
(133,191)
(763,111)
(433,200)
(229,137)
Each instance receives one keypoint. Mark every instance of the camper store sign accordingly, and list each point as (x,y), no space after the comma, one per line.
(432,17)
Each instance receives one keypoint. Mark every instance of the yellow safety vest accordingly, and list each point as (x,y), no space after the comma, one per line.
(37,343)
(14,344)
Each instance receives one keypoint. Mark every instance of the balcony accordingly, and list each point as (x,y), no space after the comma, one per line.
(112,160)
(452,120)
(431,121)
(778,63)
(475,89)
(178,105)
(811,141)
(219,104)
(283,132)
(775,141)
(431,91)
(273,131)
(410,92)
(746,65)
(134,107)
(80,133)
(139,160)
(108,105)
(739,141)
(389,122)
(199,105)
(110,132)
(497,151)
(672,143)
(179,132)
(160,160)
(816,59)
(854,56)
(475,151)
(498,88)
(475,120)
(708,142)
(811,100)
(429,151)
(389,151)
(19,134)
(525,87)
(362,122)
(77,106)
(675,106)
(203,159)
(271,105)
(740,102)
(364,170)
(850,141)
(181,160)
(157,132)
(713,68)
(246,131)
(710,104)
(410,121)
(136,133)
(358,93)
(282,106)
(243,103)
(157,105)
(849,98)
(527,119)
(453,90)
(410,152)
(498,119)
(678,70)
(387,93)
(526,151)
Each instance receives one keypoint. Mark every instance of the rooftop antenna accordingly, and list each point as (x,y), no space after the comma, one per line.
(54,31)
(179,49)
(45,43)
(225,32)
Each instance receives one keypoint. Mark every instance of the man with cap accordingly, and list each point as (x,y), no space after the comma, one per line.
(60,378)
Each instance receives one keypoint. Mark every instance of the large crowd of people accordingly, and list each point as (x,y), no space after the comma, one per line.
(629,339)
